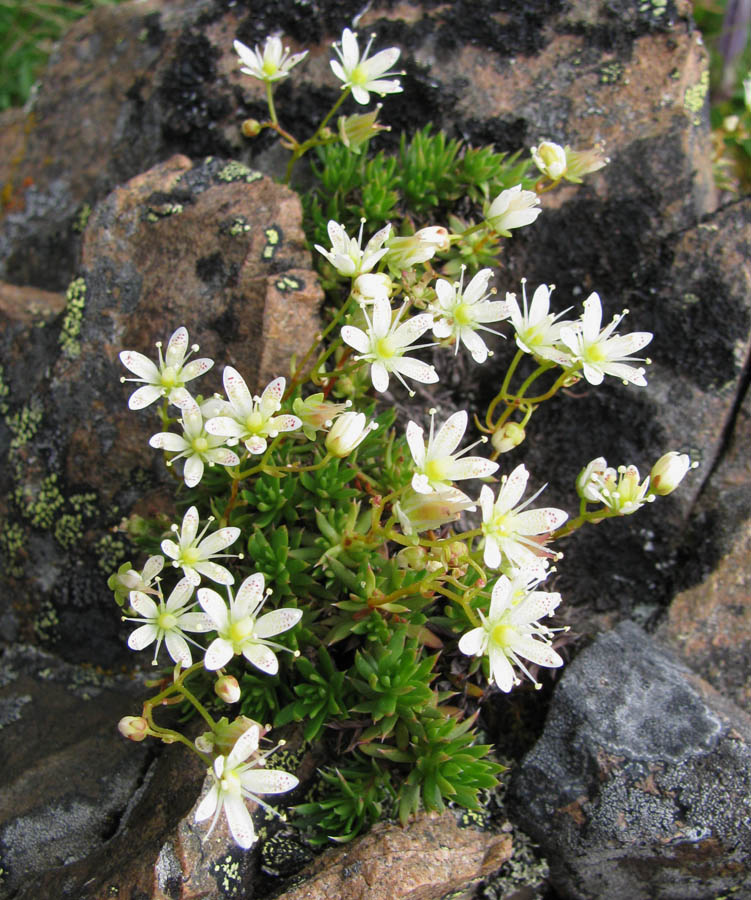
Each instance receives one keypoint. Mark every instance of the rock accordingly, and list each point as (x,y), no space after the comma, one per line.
(709,621)
(640,784)
(67,775)
(429,858)
(215,247)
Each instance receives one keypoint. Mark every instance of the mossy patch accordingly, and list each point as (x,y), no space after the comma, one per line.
(237,171)
(695,98)
(75,298)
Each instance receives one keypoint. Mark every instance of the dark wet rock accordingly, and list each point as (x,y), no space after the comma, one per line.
(67,775)
(640,784)
(215,247)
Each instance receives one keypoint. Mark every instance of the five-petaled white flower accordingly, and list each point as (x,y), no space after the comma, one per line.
(167,621)
(437,465)
(537,329)
(270,64)
(239,630)
(512,208)
(169,377)
(363,74)
(620,491)
(512,629)
(196,445)
(384,343)
(598,352)
(464,311)
(234,779)
(508,528)
(194,555)
(347,255)
(251,419)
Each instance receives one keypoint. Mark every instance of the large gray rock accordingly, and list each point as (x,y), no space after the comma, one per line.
(640,786)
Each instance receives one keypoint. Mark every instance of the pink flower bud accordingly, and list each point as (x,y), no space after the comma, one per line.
(227,688)
(135,728)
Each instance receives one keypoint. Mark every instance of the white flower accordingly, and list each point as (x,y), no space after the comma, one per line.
(550,159)
(347,433)
(512,629)
(438,465)
(419,512)
(169,377)
(364,75)
(167,621)
(537,330)
(240,630)
(194,555)
(346,254)
(411,250)
(196,445)
(508,527)
(512,208)
(235,779)
(464,311)
(384,343)
(271,64)
(598,352)
(592,478)
(669,471)
(131,580)
(366,288)
(251,419)
(623,494)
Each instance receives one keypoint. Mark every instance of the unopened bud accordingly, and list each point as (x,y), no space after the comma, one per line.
(347,433)
(227,688)
(251,128)
(668,472)
(412,558)
(135,728)
(550,159)
(508,436)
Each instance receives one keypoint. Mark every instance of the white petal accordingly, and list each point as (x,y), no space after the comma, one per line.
(178,649)
(140,365)
(381,316)
(492,554)
(512,490)
(500,598)
(189,527)
(170,548)
(195,368)
(449,435)
(536,651)
(214,607)
(168,440)
(249,595)
(475,344)
(195,621)
(237,392)
(408,332)
(416,443)
(379,376)
(142,637)
(268,781)
(271,398)
(223,457)
(592,317)
(144,396)
(471,467)
(193,470)
(207,806)
(540,304)
(415,369)
(350,49)
(180,595)
(152,568)
(220,652)
(215,572)
(277,621)
(246,744)
(539,521)
(472,642)
(219,540)
(176,347)
(486,501)
(223,426)
(240,821)
(144,605)
(262,657)
(535,606)
(501,671)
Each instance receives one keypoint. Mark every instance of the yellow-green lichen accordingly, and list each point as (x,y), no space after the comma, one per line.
(237,171)
(82,218)
(273,241)
(656,8)
(228,876)
(12,541)
(238,227)
(40,505)
(24,424)
(69,335)
(695,97)
(69,529)
(155,213)
(110,551)
(46,621)
(4,393)
(611,73)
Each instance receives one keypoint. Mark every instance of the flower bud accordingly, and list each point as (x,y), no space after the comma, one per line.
(508,436)
(412,558)
(419,512)
(369,287)
(668,472)
(317,414)
(512,208)
(355,131)
(550,159)
(348,432)
(135,728)
(251,128)
(407,251)
(227,689)
(582,162)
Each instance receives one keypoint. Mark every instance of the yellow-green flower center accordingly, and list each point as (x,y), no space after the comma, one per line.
(241,630)
(190,556)
(168,377)
(358,76)
(269,67)
(254,422)
(463,314)
(502,635)
(200,445)
(595,353)
(384,348)
(166,621)
(436,469)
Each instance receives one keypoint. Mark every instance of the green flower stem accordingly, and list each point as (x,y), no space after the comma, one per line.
(168,735)
(270,102)
(303,148)
(463,602)
(501,395)
(559,382)
(572,525)
(200,708)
